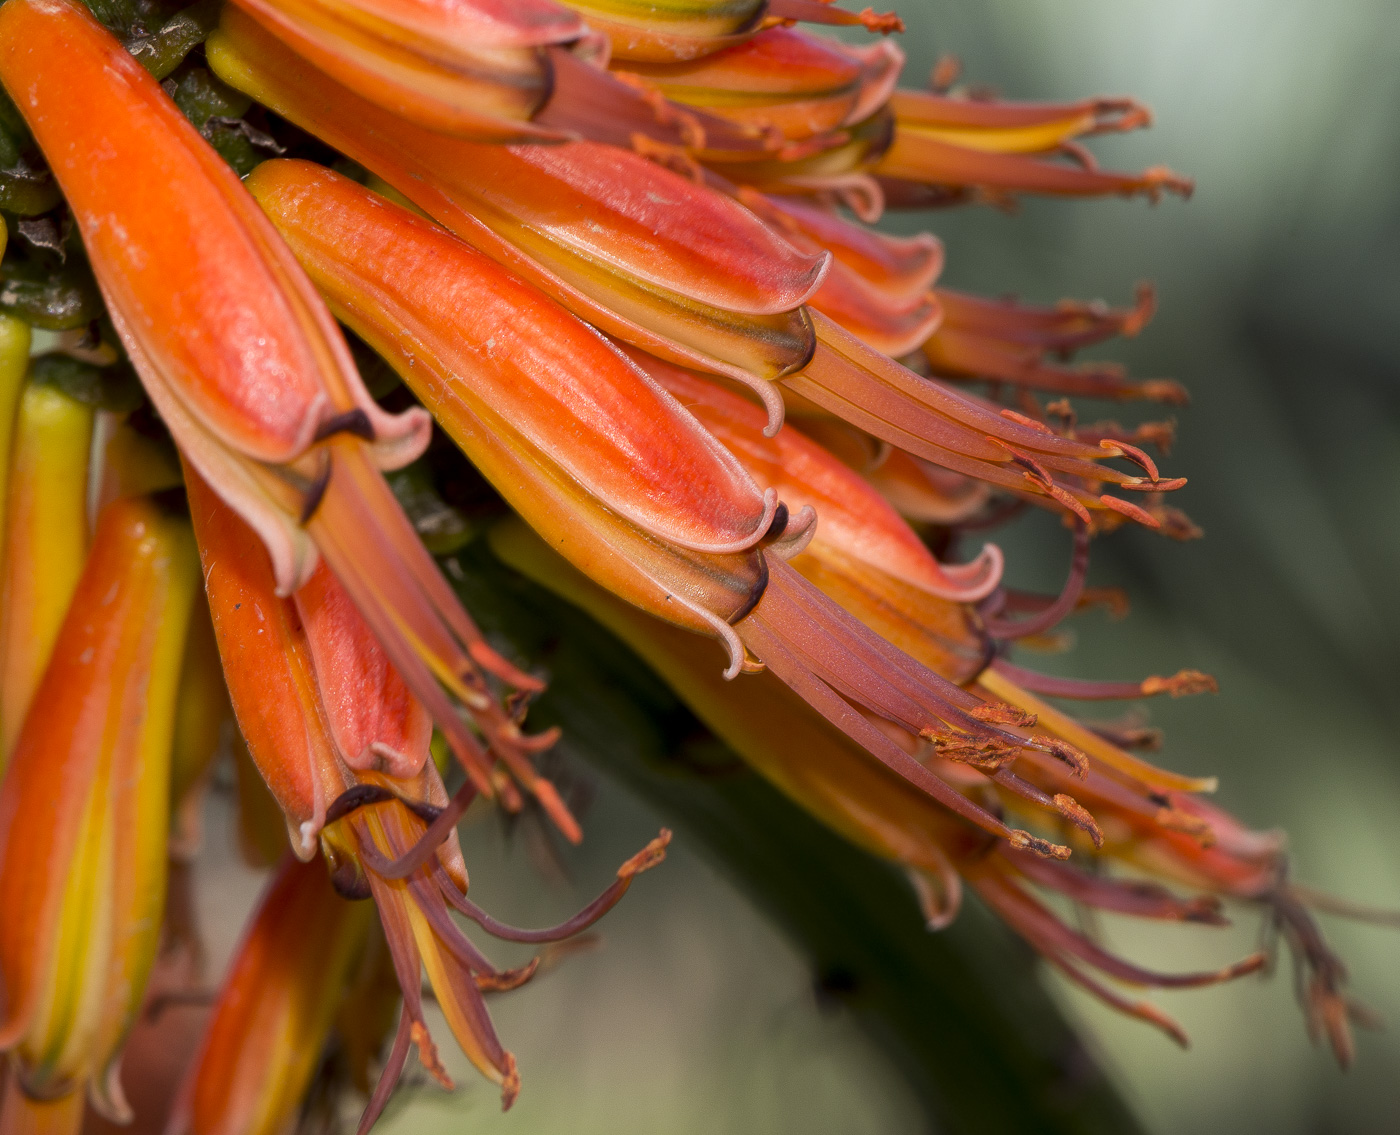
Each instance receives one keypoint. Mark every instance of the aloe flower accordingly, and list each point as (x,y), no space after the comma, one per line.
(83,812)
(620,258)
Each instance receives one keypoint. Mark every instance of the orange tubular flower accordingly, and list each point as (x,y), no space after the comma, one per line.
(1002,341)
(1141,815)
(879,287)
(386,836)
(83,818)
(270,411)
(275,1009)
(475,68)
(583,235)
(781,81)
(999,148)
(673,29)
(447,331)
(679,30)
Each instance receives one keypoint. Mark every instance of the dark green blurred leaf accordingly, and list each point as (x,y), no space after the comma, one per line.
(161,51)
(158,35)
(41,289)
(26,186)
(441,527)
(107,388)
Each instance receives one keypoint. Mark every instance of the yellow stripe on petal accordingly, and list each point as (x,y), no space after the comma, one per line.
(15,338)
(45,541)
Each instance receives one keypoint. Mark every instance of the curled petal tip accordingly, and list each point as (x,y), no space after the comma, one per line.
(798,533)
(1130,510)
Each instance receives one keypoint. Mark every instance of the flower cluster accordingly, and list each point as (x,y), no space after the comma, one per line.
(621,255)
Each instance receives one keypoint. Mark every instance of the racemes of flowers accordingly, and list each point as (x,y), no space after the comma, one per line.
(622,256)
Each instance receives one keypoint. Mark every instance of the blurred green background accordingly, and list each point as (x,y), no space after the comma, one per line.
(1280,309)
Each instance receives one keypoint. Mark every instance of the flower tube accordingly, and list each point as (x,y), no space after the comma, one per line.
(1001,341)
(83,819)
(275,1009)
(779,81)
(246,367)
(680,30)
(473,68)
(878,287)
(999,148)
(674,29)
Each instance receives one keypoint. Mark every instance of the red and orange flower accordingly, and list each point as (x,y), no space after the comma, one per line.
(621,256)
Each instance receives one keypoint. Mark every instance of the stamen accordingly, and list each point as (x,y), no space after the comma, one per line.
(1049,935)
(426,845)
(996,686)
(1077,814)
(1000,713)
(506,980)
(403,951)
(1066,806)
(770,643)
(1319,975)
(1134,454)
(389,1076)
(644,860)
(1130,510)
(458,944)
(823,12)
(1061,607)
(1141,1010)
(1140,899)
(1344,908)
(1180,684)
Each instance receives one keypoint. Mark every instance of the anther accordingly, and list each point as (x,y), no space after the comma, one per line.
(1024,841)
